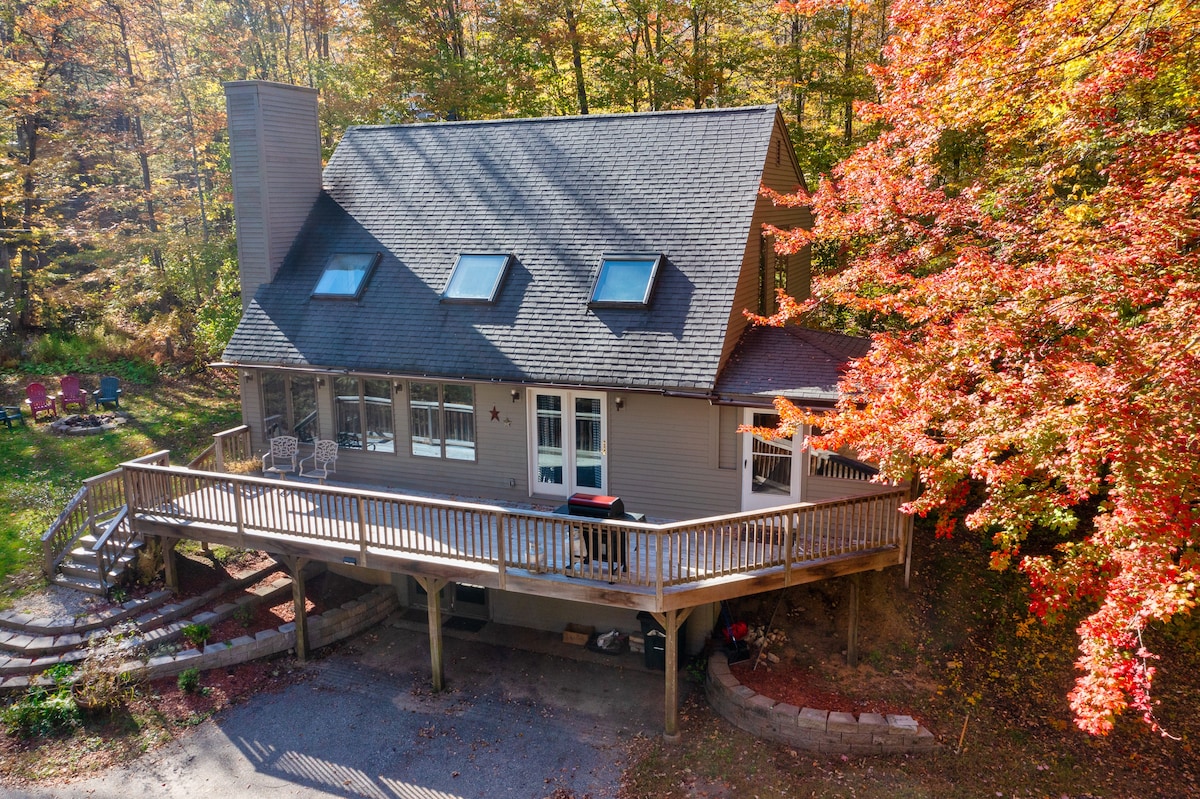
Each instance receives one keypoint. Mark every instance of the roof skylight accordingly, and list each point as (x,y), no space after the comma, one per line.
(476,277)
(345,274)
(625,280)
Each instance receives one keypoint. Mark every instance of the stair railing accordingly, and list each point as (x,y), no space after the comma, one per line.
(94,505)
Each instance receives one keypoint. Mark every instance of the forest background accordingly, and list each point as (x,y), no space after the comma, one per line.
(115,201)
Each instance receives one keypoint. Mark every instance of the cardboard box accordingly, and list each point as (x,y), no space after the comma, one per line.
(577,634)
(637,642)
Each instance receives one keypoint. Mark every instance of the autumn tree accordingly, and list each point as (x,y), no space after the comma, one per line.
(1024,240)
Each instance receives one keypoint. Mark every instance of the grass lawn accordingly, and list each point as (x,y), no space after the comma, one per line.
(40,471)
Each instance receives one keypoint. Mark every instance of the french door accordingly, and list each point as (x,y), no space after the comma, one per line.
(772,470)
(568,442)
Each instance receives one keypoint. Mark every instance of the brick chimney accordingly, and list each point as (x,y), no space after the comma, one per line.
(275,156)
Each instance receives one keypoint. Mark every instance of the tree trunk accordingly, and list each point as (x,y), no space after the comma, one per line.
(576,58)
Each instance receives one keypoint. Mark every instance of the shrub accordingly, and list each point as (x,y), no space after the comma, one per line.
(244,615)
(197,634)
(189,681)
(100,682)
(41,713)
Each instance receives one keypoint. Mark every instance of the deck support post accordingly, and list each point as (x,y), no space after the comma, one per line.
(914,491)
(433,593)
(852,632)
(170,567)
(671,621)
(299,605)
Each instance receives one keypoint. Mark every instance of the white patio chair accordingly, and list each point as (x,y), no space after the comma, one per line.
(281,460)
(323,460)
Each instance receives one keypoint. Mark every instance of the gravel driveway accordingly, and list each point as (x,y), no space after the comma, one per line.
(512,724)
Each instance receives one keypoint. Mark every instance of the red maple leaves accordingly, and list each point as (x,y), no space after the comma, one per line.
(1024,236)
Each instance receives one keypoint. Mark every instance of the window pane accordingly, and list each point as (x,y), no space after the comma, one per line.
(549,439)
(476,277)
(344,274)
(274,405)
(426,421)
(624,280)
(587,442)
(377,403)
(772,460)
(346,411)
(459,412)
(304,409)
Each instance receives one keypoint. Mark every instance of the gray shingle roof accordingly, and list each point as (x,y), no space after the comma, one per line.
(557,193)
(794,362)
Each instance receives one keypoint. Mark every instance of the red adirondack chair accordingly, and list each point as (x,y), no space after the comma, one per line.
(71,394)
(38,401)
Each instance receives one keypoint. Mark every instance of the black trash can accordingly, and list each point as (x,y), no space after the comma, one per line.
(655,648)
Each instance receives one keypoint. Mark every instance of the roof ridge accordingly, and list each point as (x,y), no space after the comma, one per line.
(615,115)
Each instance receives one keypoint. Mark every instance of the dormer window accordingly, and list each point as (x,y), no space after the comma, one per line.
(476,277)
(625,280)
(346,274)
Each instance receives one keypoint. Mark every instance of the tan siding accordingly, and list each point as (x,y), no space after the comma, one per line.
(729,442)
(782,177)
(275,153)
(659,459)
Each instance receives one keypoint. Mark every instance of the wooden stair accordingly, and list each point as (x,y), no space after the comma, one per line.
(80,571)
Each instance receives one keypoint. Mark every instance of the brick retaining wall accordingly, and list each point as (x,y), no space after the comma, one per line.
(323,628)
(807,728)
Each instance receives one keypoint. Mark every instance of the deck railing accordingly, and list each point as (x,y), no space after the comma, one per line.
(361,524)
(228,446)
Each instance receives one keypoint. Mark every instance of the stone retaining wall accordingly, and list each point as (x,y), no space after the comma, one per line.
(807,728)
(323,628)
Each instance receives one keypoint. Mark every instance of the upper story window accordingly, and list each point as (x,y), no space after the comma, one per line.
(625,280)
(476,277)
(345,274)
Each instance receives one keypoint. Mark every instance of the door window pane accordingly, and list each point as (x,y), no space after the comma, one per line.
(588,443)
(549,439)
(772,460)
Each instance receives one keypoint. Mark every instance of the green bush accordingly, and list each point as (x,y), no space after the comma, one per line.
(197,634)
(189,681)
(41,713)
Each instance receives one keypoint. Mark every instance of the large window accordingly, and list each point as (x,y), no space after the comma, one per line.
(363,407)
(443,420)
(625,280)
(290,406)
(345,274)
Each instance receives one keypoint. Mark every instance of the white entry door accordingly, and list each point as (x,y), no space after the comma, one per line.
(568,442)
(771,470)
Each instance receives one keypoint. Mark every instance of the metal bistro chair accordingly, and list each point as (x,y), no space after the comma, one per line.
(322,462)
(281,460)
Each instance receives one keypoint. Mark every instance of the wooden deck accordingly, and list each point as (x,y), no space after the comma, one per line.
(655,567)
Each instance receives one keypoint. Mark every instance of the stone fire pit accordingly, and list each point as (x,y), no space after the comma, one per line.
(87,424)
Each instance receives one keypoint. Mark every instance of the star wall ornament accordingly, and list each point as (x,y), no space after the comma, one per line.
(495,414)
